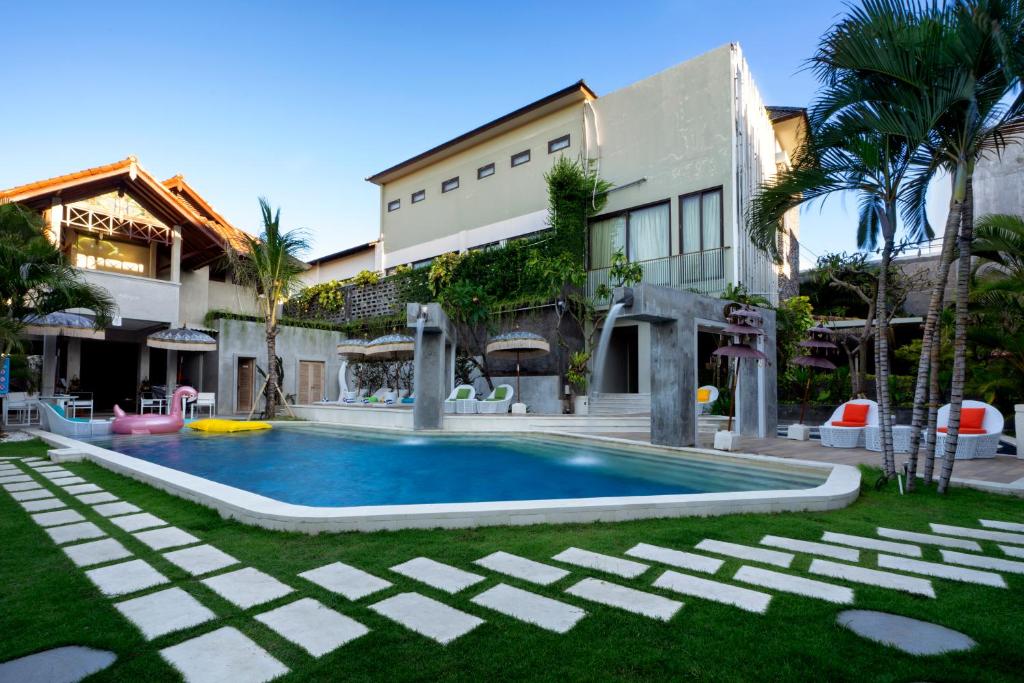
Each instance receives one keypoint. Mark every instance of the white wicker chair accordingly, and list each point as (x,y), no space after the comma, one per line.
(463,391)
(971,446)
(704,407)
(494,405)
(848,437)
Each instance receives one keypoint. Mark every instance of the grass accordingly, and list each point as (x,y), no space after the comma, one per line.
(47,602)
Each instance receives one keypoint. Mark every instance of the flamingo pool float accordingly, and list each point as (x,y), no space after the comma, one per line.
(154,423)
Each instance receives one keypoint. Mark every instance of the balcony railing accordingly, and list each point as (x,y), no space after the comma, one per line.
(701,271)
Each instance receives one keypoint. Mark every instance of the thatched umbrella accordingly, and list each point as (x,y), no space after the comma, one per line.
(518,344)
(743,324)
(393,347)
(352,348)
(816,346)
(181,339)
(63,323)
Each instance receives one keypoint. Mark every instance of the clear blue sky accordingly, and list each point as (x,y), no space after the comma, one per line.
(300,101)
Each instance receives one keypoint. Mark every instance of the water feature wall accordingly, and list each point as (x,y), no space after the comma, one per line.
(433,364)
(601,357)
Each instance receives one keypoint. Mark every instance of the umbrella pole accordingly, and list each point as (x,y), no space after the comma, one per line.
(732,393)
(807,392)
(519,394)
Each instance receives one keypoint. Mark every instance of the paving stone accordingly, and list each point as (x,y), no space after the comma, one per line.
(164,612)
(603,563)
(200,559)
(57,473)
(903,633)
(114,509)
(82,488)
(873,577)
(23,486)
(57,517)
(74,532)
(313,627)
(941,571)
(96,552)
(787,583)
(247,587)
(685,584)
(812,548)
(983,562)
(125,577)
(982,534)
(15,478)
(32,494)
(223,655)
(534,609)
(746,552)
(47,467)
(676,558)
(929,539)
(1005,526)
(427,617)
(522,568)
(872,544)
(8,470)
(346,580)
(59,665)
(93,498)
(69,481)
(1012,551)
(141,520)
(629,599)
(166,537)
(42,504)
(437,574)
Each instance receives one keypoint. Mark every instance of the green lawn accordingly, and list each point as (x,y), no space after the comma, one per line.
(47,602)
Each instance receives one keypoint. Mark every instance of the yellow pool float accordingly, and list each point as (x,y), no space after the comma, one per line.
(217,425)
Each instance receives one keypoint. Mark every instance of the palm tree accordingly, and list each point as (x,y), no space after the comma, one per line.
(271,267)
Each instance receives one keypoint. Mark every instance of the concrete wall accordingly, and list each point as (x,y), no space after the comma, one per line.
(340,268)
(226,296)
(542,394)
(140,298)
(999,183)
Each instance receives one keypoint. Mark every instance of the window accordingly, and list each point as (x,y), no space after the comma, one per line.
(450,184)
(419,196)
(425,263)
(700,221)
(642,234)
(89,252)
(521,158)
(557,144)
(394,205)
(484,171)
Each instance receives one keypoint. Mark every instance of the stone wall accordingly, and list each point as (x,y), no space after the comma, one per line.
(360,302)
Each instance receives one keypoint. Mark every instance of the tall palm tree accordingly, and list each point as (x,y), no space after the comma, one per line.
(271,267)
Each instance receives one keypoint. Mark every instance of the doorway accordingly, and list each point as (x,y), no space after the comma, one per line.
(245,378)
(622,370)
(110,371)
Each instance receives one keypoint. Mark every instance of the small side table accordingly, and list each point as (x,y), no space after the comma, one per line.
(900,438)
(466,406)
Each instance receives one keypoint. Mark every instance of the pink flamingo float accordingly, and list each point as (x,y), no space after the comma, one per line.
(154,423)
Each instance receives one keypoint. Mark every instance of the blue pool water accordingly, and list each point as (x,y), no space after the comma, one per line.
(329,467)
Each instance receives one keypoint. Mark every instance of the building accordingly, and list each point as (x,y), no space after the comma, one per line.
(342,265)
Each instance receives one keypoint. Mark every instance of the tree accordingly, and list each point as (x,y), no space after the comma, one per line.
(271,268)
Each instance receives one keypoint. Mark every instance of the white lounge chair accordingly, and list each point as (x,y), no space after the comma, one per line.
(376,398)
(52,419)
(499,401)
(463,392)
(706,397)
(207,400)
(23,405)
(979,431)
(846,427)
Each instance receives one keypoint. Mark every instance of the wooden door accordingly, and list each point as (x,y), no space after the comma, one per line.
(311,381)
(244,384)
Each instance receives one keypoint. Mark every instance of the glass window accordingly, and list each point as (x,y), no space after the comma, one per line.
(450,184)
(485,171)
(419,196)
(649,233)
(558,143)
(700,220)
(607,237)
(711,219)
(91,253)
(520,158)
(394,204)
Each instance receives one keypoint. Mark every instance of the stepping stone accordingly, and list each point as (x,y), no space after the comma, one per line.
(59,665)
(57,517)
(15,478)
(69,481)
(345,580)
(167,537)
(41,504)
(529,607)
(437,574)
(676,558)
(82,488)
(113,509)
(126,577)
(928,539)
(47,468)
(1005,526)
(247,587)
(23,486)
(602,563)
(629,599)
(92,498)
(32,494)
(1012,551)
(313,627)
(812,548)
(223,655)
(873,577)
(427,617)
(200,559)
(164,612)
(942,571)
(746,552)
(57,473)
(982,562)
(982,534)
(141,520)
(872,544)
(74,532)
(684,584)
(522,568)
(96,552)
(903,633)
(787,583)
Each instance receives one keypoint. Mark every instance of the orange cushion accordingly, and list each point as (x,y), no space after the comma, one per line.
(847,423)
(856,412)
(971,418)
(965,430)
(703,395)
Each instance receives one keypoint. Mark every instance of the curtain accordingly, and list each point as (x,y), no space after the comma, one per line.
(649,233)
(690,211)
(606,238)
(712,227)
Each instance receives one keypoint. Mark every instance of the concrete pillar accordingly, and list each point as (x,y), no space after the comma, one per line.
(176,254)
(673,384)
(49,365)
(56,219)
(748,395)
(432,364)
(143,372)
(171,376)
(74,358)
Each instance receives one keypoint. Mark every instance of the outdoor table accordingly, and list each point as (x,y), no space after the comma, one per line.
(900,438)
(466,406)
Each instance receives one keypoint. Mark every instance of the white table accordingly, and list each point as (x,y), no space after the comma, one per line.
(900,438)
(466,406)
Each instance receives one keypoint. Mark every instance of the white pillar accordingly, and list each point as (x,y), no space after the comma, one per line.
(143,364)
(171,377)
(176,254)
(74,358)
(56,219)
(49,365)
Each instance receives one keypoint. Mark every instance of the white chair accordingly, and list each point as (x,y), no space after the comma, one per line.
(79,402)
(972,441)
(706,397)
(462,392)
(499,401)
(23,405)
(844,433)
(206,399)
(152,404)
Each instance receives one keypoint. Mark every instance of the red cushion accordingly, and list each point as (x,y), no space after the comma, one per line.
(856,412)
(846,423)
(971,418)
(965,430)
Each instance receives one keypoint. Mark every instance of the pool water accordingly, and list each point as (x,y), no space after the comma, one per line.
(319,466)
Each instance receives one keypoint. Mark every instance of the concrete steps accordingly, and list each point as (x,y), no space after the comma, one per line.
(620,404)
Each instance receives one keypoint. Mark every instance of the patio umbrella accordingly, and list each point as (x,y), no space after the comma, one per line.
(815,344)
(395,347)
(63,323)
(518,344)
(743,323)
(181,339)
(352,348)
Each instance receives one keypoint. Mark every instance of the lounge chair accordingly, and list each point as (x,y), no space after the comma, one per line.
(207,400)
(981,426)
(846,427)
(499,401)
(376,398)
(408,400)
(463,392)
(54,420)
(706,396)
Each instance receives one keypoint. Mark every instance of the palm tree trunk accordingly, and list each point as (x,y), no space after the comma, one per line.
(882,358)
(934,398)
(271,405)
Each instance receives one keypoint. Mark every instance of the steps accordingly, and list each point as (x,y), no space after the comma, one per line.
(620,404)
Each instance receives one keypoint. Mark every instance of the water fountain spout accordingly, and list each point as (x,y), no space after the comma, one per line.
(625,297)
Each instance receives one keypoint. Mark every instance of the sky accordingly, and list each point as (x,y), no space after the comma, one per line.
(301,101)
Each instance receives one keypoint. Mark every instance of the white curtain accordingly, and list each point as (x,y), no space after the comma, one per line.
(691,223)
(606,238)
(648,233)
(712,228)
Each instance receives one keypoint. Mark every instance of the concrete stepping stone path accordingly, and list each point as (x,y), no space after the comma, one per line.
(531,608)
(47,468)
(96,552)
(114,509)
(57,473)
(138,521)
(873,577)
(312,626)
(164,612)
(82,488)
(15,478)
(57,517)
(602,563)
(93,498)
(903,633)
(59,665)
(676,558)
(928,539)
(74,532)
(787,583)
(41,504)
(715,591)
(872,544)
(981,534)
(24,486)
(125,577)
(345,580)
(165,537)
(32,494)
(437,574)
(427,617)
(69,481)
(200,559)
(941,571)
(223,655)
(1012,551)
(522,568)
(812,548)
(983,562)
(247,587)
(628,599)
(1005,526)
(746,552)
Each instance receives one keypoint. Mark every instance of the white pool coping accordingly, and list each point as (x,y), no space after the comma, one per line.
(841,488)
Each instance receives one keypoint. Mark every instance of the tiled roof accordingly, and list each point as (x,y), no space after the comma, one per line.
(66,178)
(186,194)
(776,114)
